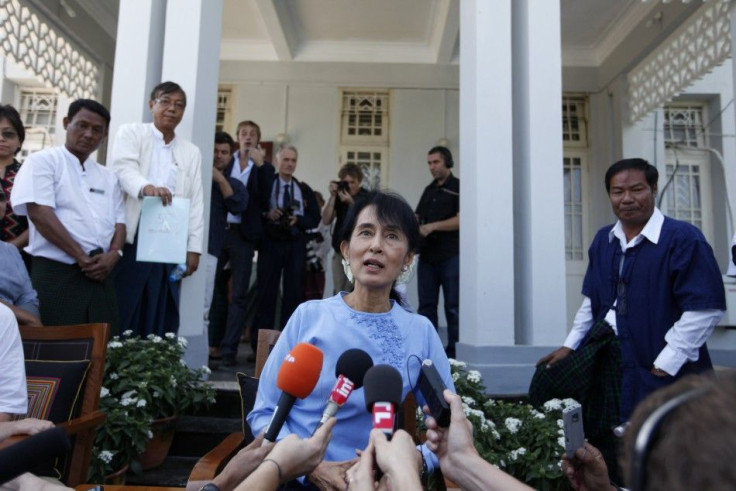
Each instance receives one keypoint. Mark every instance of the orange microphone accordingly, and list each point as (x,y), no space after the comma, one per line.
(296,378)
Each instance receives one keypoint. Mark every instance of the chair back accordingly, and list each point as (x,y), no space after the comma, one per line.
(266,341)
(71,343)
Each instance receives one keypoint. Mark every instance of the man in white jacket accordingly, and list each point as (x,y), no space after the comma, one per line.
(151,160)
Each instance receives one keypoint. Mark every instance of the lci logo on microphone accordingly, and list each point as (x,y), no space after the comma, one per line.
(289,358)
(383,416)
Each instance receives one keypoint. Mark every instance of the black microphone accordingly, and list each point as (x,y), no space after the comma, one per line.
(350,369)
(33,450)
(297,377)
(383,389)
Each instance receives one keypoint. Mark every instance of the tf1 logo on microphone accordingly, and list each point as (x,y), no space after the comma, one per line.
(289,358)
(383,416)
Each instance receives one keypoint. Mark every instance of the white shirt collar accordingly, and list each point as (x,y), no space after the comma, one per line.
(159,137)
(73,158)
(650,231)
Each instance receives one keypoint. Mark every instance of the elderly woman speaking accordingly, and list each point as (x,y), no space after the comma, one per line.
(379,236)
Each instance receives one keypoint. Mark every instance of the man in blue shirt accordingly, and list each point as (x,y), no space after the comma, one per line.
(654,282)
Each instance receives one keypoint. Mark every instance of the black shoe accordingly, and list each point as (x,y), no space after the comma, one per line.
(228,361)
(450,352)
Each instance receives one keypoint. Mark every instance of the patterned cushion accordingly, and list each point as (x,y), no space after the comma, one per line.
(54,388)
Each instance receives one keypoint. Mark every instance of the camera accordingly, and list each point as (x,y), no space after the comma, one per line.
(343,186)
(286,213)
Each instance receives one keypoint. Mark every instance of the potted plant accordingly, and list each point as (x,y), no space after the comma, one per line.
(520,440)
(146,386)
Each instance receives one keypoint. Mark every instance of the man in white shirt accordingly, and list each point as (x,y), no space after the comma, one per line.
(77,222)
(654,283)
(151,160)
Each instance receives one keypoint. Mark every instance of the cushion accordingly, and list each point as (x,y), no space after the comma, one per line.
(54,388)
(248,388)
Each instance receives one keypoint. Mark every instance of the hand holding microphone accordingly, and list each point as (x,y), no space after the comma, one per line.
(297,378)
(350,369)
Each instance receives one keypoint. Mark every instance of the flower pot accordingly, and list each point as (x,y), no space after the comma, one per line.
(158,447)
(117,477)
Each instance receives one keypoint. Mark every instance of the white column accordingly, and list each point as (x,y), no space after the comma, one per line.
(486,198)
(138,52)
(192,59)
(538,185)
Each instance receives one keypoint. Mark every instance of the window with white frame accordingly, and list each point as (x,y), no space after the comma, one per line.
(364,134)
(224,109)
(574,121)
(37,110)
(573,192)
(686,187)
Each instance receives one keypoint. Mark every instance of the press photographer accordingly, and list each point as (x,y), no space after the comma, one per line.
(293,210)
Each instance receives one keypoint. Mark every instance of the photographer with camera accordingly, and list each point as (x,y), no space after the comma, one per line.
(293,210)
(343,194)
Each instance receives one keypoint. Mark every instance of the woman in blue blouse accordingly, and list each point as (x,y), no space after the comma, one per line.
(379,239)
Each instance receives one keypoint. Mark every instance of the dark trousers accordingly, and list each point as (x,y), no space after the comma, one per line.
(275,257)
(239,252)
(149,302)
(430,276)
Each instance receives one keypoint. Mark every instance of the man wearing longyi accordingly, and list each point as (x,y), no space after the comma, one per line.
(77,222)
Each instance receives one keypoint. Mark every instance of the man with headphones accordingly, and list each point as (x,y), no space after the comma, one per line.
(439,252)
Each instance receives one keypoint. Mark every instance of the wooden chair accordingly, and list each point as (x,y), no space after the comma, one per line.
(66,343)
(216,459)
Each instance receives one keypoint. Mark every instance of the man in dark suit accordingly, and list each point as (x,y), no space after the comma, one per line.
(244,231)
(292,211)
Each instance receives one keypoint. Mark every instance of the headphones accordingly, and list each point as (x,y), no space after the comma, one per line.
(446,154)
(649,432)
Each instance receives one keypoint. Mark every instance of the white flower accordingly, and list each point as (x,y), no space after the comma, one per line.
(502,463)
(206,369)
(496,435)
(127,401)
(182,363)
(128,394)
(156,394)
(537,414)
(127,333)
(183,342)
(469,400)
(172,380)
(114,376)
(561,441)
(114,344)
(106,456)
(157,339)
(149,434)
(516,453)
(553,405)
(560,424)
(457,364)
(490,403)
(513,424)
(474,376)
(141,403)
(170,335)
(569,402)
(455,376)
(104,392)
(142,385)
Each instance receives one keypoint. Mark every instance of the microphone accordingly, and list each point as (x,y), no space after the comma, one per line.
(297,377)
(383,389)
(28,453)
(350,370)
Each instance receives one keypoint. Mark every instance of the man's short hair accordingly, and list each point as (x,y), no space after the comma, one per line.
(223,137)
(650,172)
(691,448)
(287,147)
(89,105)
(352,170)
(446,155)
(165,88)
(11,114)
(249,123)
